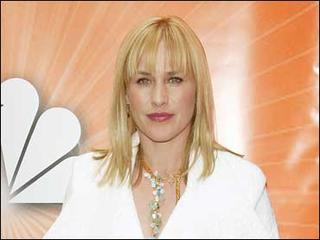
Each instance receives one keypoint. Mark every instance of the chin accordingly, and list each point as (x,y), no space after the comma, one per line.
(160,135)
(161,132)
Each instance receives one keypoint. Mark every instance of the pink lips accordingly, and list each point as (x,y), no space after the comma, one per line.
(160,117)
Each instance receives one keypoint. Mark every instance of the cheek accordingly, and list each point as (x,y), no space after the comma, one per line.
(186,101)
(137,100)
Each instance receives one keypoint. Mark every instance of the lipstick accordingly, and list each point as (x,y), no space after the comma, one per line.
(160,117)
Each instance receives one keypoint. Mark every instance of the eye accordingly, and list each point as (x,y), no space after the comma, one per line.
(143,81)
(175,80)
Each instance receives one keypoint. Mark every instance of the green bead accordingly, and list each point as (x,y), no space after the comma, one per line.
(156,230)
(154,205)
(157,221)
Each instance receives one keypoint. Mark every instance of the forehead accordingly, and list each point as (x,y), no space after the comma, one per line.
(158,57)
(162,63)
(161,57)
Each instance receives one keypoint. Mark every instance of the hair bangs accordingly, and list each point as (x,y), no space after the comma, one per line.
(146,46)
(179,52)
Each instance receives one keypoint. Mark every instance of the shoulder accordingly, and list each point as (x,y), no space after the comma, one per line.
(237,166)
(241,175)
(86,171)
(85,163)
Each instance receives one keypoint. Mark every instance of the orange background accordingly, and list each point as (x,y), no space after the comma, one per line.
(264,61)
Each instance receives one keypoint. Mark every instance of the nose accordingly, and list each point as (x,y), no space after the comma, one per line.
(159,95)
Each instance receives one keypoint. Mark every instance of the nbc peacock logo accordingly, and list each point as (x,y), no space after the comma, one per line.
(35,145)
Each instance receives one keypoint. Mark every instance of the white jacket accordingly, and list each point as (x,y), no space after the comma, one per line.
(231,203)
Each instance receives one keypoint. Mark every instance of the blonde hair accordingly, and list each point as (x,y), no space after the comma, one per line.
(186,54)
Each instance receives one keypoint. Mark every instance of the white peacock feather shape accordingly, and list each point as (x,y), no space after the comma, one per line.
(35,146)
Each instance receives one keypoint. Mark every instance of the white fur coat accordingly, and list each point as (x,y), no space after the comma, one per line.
(231,203)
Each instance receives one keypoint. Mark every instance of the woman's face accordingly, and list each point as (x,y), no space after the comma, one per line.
(167,92)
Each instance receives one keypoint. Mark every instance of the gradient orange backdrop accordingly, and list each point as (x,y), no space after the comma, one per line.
(264,61)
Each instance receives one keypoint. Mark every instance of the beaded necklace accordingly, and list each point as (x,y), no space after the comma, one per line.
(157,184)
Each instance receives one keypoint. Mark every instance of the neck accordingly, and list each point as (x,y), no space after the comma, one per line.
(164,157)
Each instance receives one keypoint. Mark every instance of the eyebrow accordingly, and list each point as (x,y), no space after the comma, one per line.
(171,73)
(143,73)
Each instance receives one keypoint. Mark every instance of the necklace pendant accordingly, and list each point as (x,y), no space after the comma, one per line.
(154,205)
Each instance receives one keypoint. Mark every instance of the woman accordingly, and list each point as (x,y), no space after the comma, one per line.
(165,176)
